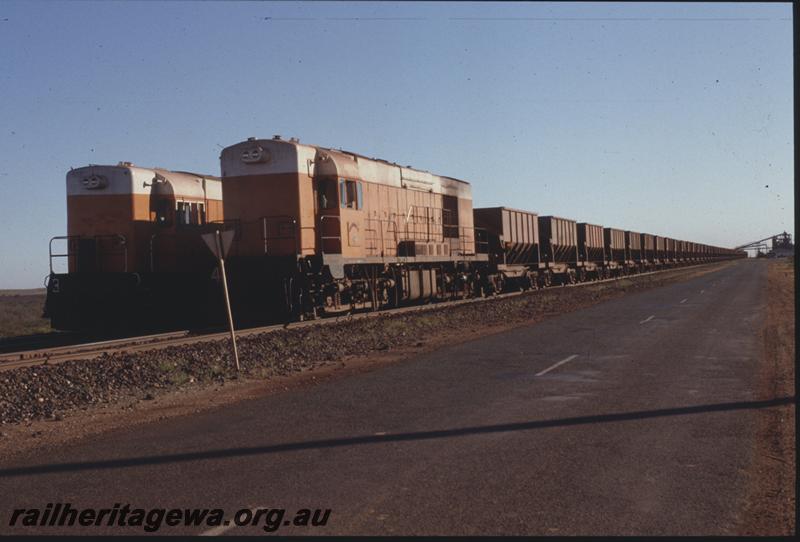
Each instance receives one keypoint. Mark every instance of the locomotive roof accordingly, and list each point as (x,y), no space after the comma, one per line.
(160,171)
(273,156)
(387,162)
(126,178)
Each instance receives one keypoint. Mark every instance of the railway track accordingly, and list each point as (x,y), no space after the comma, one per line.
(58,354)
(38,341)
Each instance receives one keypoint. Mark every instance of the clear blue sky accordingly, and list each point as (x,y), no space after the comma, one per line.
(674,119)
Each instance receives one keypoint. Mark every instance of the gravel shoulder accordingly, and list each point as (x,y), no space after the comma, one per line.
(770,503)
(47,406)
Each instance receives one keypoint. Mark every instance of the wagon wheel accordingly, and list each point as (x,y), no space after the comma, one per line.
(394,293)
(499,283)
(582,275)
(571,279)
(546,279)
(481,284)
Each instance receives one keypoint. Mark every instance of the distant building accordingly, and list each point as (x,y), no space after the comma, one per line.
(782,246)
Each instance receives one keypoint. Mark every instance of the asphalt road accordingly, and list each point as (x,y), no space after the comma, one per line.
(634,416)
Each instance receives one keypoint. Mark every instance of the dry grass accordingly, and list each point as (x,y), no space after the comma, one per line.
(22,314)
(770,508)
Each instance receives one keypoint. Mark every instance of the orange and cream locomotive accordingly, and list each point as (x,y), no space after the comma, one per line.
(315,231)
(322,230)
(132,253)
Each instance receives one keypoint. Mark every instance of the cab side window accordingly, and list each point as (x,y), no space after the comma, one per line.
(182,213)
(189,214)
(351,194)
(326,190)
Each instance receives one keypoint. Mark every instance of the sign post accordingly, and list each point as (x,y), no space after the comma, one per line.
(219,243)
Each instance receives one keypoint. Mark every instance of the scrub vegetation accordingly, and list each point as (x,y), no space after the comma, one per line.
(770,507)
(21,313)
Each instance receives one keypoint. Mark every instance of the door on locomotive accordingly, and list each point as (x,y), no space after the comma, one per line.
(328,219)
(340,205)
(351,207)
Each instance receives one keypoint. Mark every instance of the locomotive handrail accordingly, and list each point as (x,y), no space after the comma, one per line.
(431,232)
(391,229)
(324,238)
(286,219)
(185,244)
(67,255)
(72,252)
(463,237)
(448,227)
(394,232)
(482,243)
(464,234)
(373,230)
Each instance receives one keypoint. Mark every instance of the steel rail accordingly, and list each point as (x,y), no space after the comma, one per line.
(157,341)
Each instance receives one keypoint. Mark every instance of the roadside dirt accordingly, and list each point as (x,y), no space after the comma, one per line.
(397,339)
(770,502)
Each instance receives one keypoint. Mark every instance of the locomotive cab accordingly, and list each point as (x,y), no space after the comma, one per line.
(133,253)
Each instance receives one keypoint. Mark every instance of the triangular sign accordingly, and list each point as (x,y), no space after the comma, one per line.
(225,237)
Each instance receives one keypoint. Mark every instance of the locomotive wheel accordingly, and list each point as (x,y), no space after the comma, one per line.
(571,279)
(582,275)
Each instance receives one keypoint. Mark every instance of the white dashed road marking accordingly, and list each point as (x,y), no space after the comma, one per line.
(229,524)
(647,319)
(216,531)
(684,300)
(562,362)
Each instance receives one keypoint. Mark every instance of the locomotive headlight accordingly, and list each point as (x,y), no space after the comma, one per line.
(95,182)
(255,154)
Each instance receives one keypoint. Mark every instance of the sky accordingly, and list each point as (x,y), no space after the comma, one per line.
(668,118)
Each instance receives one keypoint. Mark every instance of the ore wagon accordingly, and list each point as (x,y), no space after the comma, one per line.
(633,245)
(616,250)
(591,251)
(513,247)
(559,247)
(648,250)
